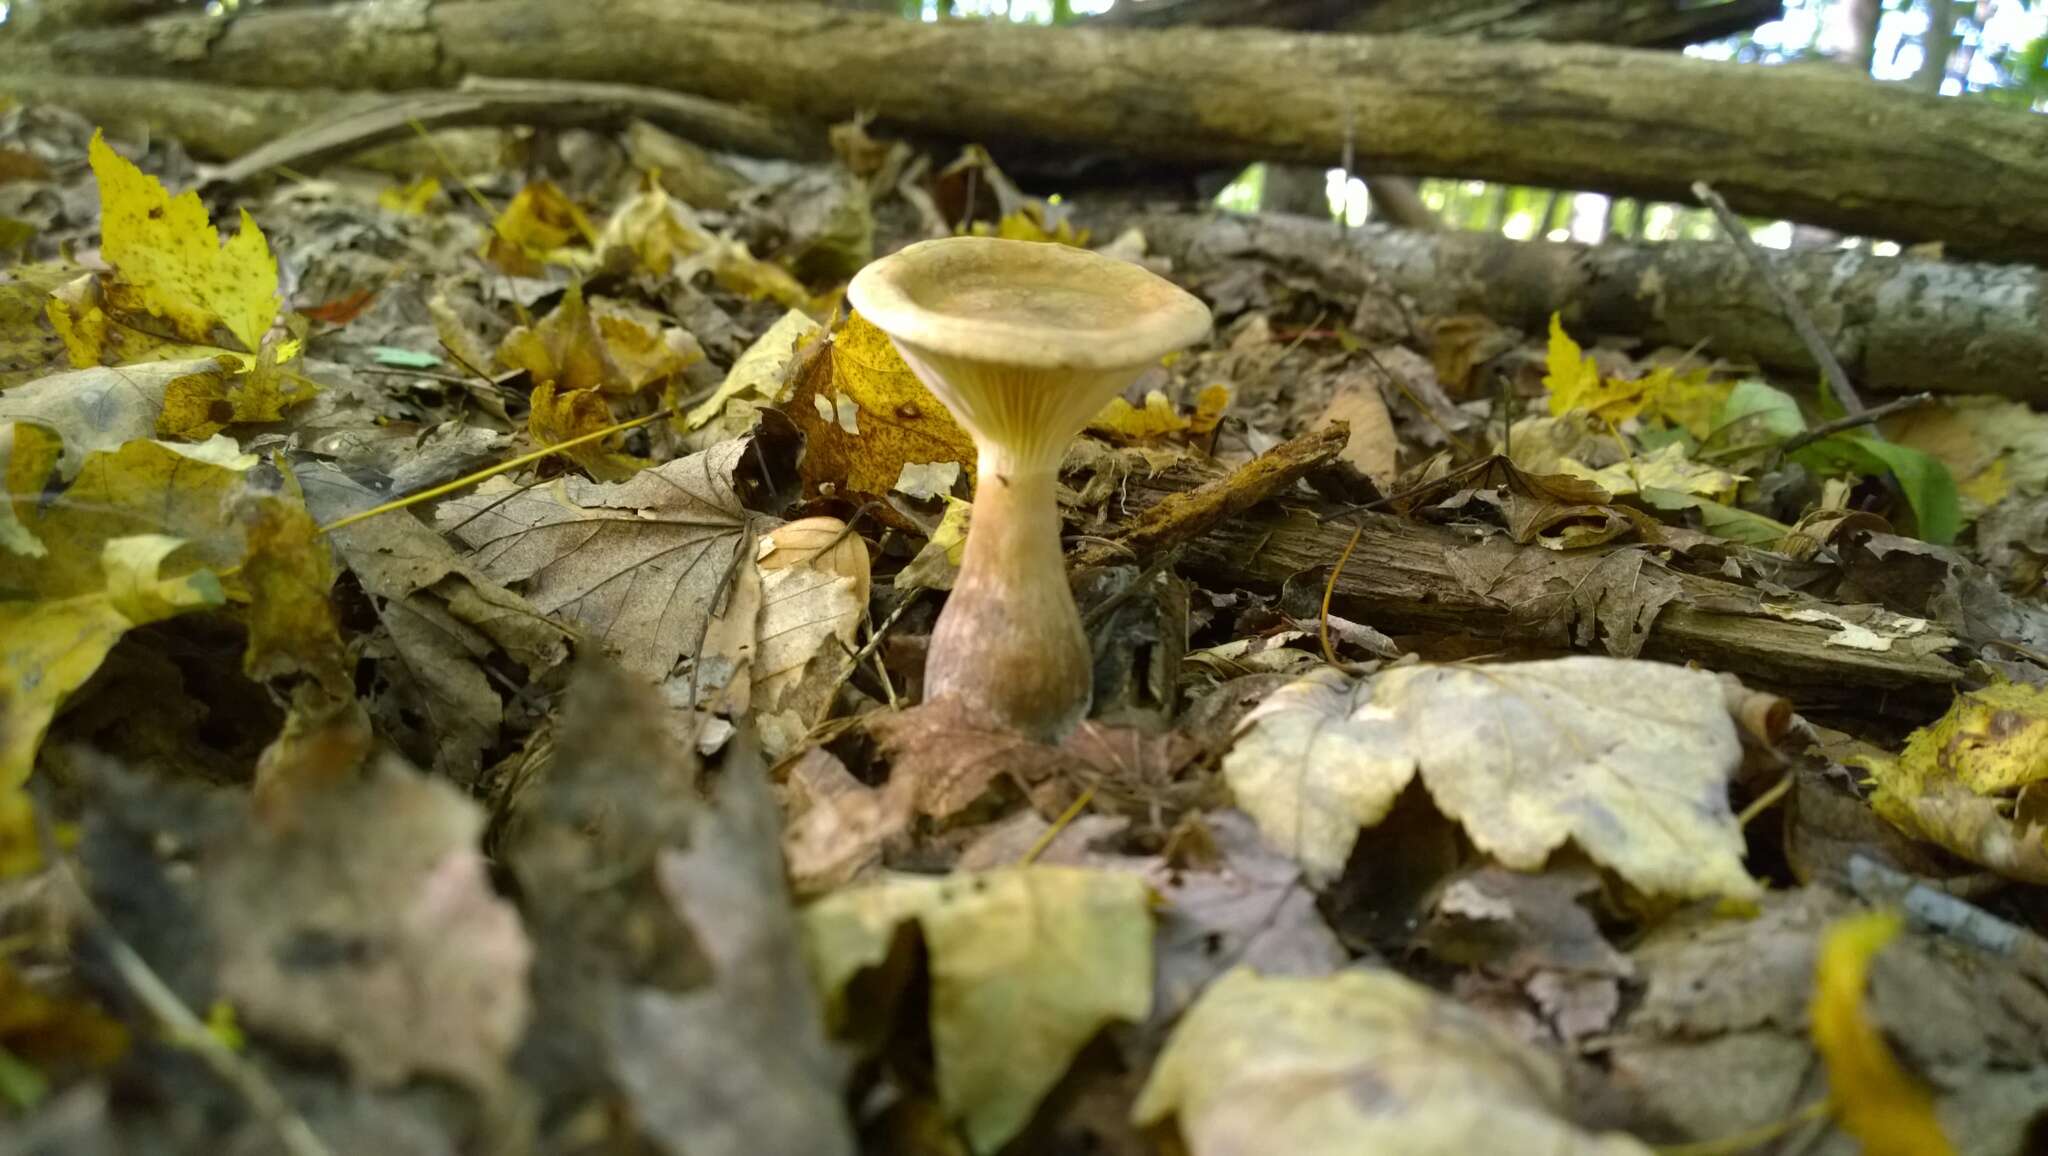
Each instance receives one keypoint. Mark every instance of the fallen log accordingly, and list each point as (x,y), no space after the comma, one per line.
(1408,577)
(1648,23)
(1623,121)
(1898,324)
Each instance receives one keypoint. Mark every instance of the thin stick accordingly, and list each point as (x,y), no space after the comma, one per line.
(1330,588)
(1745,1141)
(1066,818)
(1763,802)
(184,1027)
(1852,420)
(1802,322)
(468,480)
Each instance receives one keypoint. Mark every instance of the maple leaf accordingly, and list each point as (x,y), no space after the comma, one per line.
(1574,382)
(865,415)
(640,564)
(1630,760)
(169,261)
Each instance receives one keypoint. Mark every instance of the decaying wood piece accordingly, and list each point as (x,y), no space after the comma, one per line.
(1410,577)
(1625,121)
(1899,324)
(1187,515)
(483,101)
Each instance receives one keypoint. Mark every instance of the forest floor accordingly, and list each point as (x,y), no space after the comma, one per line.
(460,658)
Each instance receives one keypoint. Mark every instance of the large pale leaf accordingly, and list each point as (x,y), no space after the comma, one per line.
(100,408)
(1629,760)
(640,565)
(1027,964)
(1359,1062)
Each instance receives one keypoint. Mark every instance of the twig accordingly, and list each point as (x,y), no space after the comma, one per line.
(184,1026)
(1802,322)
(1330,588)
(1852,420)
(1066,818)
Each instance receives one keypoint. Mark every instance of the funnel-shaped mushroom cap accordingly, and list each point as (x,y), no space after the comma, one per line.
(1024,341)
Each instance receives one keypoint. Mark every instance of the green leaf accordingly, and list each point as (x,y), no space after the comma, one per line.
(1720,519)
(1929,488)
(1761,411)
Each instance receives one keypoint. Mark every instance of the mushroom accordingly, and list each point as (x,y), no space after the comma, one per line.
(1024,342)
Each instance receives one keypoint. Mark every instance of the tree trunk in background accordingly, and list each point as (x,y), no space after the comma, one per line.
(1864,18)
(1299,190)
(1898,324)
(1865,158)
(1939,44)
(1647,23)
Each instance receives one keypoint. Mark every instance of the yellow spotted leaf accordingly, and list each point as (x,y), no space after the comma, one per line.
(1874,1099)
(1028,224)
(1026,965)
(882,417)
(48,648)
(1957,778)
(1687,400)
(169,262)
(29,345)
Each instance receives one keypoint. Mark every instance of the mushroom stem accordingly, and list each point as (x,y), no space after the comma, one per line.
(1009,644)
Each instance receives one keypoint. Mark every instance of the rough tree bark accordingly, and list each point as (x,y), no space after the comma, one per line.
(1898,324)
(1811,145)
(1649,23)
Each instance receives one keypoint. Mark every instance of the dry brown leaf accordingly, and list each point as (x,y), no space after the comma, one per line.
(422,966)
(1373,448)
(639,566)
(444,621)
(1629,760)
(814,597)
(1362,1061)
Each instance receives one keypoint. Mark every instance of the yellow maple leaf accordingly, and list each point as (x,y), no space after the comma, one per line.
(409,200)
(1687,400)
(865,415)
(1874,1099)
(1121,419)
(1574,382)
(169,261)
(541,226)
(51,647)
(1028,224)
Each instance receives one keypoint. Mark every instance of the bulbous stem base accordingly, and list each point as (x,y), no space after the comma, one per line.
(1009,643)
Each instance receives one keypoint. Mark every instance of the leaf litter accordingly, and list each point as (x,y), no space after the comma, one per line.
(593,805)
